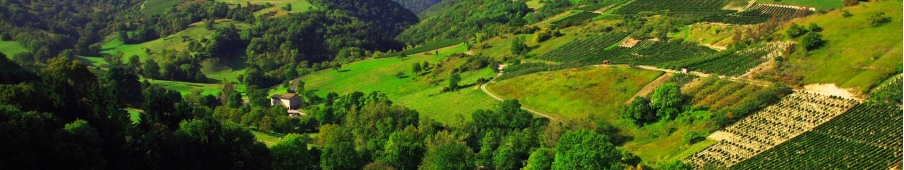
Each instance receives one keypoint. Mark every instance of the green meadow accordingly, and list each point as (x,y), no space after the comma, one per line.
(10,48)
(419,92)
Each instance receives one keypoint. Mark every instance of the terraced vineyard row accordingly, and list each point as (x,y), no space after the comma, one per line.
(425,48)
(793,115)
(579,49)
(759,13)
(676,6)
(866,137)
(577,19)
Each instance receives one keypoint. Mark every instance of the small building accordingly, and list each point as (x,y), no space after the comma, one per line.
(288,100)
(605,62)
(684,70)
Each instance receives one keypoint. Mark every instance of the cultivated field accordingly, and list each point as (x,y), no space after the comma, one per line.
(866,137)
(793,115)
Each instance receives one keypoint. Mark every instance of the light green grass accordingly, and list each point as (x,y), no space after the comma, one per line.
(134,115)
(708,34)
(857,55)
(92,61)
(692,149)
(534,4)
(10,48)
(413,92)
(177,42)
(265,138)
(186,87)
(575,93)
(818,4)
(158,6)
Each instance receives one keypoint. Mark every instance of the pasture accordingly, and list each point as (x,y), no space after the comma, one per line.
(856,55)
(10,48)
(422,93)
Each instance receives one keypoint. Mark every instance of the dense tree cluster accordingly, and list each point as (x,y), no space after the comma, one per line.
(417,6)
(469,17)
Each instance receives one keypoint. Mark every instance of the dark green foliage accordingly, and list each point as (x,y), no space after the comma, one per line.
(404,149)
(677,165)
(339,151)
(291,153)
(731,62)
(417,6)
(518,47)
(697,7)
(541,159)
(815,28)
(582,149)
(79,145)
(667,101)
(426,47)
(580,18)
(878,19)
(385,16)
(796,30)
(866,137)
(453,81)
(846,13)
(465,17)
(13,73)
(812,41)
(150,69)
(640,111)
(451,156)
(210,144)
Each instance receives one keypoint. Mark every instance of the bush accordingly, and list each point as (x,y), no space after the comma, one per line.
(812,41)
(796,30)
(5,36)
(846,13)
(878,19)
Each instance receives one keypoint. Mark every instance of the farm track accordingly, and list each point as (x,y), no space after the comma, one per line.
(483,87)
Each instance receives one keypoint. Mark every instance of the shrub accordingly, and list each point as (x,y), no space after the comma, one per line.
(796,31)
(846,13)
(878,19)
(812,41)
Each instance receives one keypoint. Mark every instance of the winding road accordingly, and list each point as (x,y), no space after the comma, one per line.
(483,87)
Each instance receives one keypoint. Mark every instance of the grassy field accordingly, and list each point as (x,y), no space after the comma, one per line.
(818,4)
(297,6)
(92,61)
(602,92)
(708,34)
(178,41)
(265,138)
(186,87)
(10,48)
(857,55)
(534,4)
(576,92)
(421,93)
(158,6)
(134,115)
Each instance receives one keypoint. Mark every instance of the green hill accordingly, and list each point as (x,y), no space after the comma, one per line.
(856,55)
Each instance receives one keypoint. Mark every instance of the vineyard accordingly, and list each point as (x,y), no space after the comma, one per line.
(723,96)
(793,115)
(425,48)
(866,137)
(889,92)
(579,49)
(735,63)
(529,68)
(759,13)
(578,18)
(676,7)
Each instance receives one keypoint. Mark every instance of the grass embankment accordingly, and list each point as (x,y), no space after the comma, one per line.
(10,48)
(265,138)
(421,93)
(856,55)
